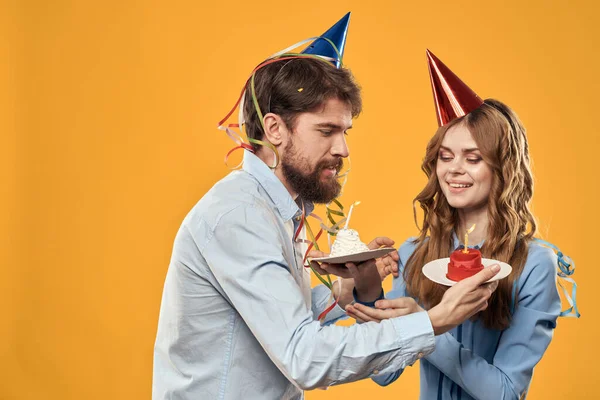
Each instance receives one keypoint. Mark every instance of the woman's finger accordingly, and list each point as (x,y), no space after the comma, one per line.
(400,302)
(375,313)
(358,314)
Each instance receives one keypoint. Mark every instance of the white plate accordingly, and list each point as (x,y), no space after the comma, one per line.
(357,257)
(436,270)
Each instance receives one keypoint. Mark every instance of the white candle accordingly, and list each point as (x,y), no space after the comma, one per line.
(350,213)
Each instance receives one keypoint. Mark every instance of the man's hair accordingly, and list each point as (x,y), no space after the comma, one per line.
(290,87)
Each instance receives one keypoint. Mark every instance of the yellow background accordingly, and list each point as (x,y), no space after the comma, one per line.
(109,137)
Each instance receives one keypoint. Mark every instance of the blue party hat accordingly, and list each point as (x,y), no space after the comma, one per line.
(337,34)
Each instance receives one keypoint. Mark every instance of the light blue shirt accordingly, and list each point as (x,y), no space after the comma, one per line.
(238,317)
(473,362)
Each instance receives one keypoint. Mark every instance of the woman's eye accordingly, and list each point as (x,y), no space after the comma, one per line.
(473,160)
(445,158)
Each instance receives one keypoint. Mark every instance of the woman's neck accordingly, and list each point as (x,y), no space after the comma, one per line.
(468,218)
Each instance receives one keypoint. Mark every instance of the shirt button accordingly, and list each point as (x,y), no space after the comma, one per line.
(420,355)
(375,372)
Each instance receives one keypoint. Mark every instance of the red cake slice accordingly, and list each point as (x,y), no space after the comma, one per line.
(463,265)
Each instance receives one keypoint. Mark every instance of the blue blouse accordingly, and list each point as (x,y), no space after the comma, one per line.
(474,362)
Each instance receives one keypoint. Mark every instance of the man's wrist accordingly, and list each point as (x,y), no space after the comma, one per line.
(369,299)
(343,297)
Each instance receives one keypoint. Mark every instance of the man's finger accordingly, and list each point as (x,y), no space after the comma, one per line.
(352,268)
(394,270)
(380,241)
(330,269)
(392,264)
(319,267)
(391,257)
(339,270)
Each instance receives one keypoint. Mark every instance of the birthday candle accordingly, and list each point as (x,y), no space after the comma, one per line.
(350,213)
(466,250)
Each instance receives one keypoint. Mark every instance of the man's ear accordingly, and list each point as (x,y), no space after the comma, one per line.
(275,129)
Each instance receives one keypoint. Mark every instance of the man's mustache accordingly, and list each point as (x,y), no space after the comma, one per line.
(338,165)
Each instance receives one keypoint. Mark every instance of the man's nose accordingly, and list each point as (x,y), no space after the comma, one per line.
(340,147)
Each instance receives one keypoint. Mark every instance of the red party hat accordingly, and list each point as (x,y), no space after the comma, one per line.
(452,97)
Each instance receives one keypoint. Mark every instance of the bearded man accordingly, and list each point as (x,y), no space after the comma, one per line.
(238,317)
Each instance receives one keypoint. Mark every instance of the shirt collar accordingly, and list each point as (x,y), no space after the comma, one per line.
(458,245)
(288,208)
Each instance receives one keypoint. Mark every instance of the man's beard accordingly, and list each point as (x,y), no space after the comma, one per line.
(309,186)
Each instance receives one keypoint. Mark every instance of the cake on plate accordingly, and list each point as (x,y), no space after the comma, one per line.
(464,264)
(347,242)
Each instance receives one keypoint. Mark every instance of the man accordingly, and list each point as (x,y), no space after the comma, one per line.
(238,315)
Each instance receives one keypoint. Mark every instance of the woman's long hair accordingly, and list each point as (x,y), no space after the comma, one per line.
(502,141)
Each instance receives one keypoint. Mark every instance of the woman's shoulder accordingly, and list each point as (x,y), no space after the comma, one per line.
(404,251)
(407,248)
(540,265)
(537,283)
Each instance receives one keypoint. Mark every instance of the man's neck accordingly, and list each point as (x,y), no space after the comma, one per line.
(268,157)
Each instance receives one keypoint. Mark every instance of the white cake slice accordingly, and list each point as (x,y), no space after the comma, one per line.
(347,242)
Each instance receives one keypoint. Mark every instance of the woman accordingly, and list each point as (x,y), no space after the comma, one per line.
(478,170)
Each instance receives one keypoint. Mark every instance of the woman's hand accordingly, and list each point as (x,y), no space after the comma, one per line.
(384,309)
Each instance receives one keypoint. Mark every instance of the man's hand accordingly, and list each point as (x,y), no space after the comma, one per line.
(384,309)
(325,269)
(388,268)
(463,300)
(387,264)
(384,264)
(366,276)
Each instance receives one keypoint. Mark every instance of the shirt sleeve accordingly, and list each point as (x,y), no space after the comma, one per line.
(245,254)
(521,346)
(320,302)
(398,290)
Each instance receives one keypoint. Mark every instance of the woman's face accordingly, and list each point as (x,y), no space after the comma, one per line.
(464,177)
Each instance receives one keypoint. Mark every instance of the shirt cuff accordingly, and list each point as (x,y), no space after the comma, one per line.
(365,303)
